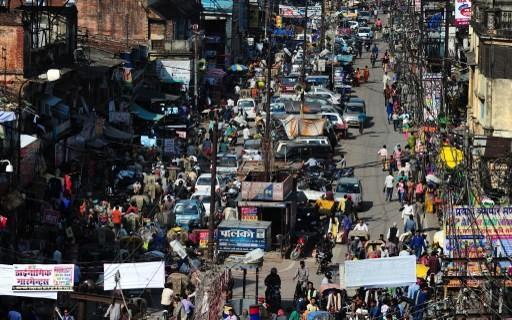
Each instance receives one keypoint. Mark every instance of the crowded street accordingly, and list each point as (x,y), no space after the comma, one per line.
(253,160)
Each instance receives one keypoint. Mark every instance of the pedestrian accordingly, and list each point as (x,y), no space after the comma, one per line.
(396,120)
(167,297)
(333,226)
(410,225)
(366,74)
(383,154)
(357,77)
(393,233)
(389,112)
(178,312)
(293,314)
(246,133)
(419,192)
(347,226)
(231,315)
(302,275)
(389,185)
(67,316)
(188,306)
(400,188)
(311,292)
(418,244)
(312,306)
(361,226)
(114,310)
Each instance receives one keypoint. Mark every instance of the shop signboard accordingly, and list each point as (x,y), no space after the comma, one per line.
(243,236)
(462,12)
(43,277)
(477,232)
(249,213)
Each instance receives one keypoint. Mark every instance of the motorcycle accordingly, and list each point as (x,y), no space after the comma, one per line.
(297,251)
(323,259)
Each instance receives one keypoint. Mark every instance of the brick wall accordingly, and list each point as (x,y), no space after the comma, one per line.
(114,19)
(11,38)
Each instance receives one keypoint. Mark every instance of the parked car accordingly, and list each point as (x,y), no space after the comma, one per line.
(277,109)
(365,33)
(204,198)
(203,183)
(350,186)
(248,106)
(227,163)
(304,148)
(335,118)
(190,214)
(326,93)
(351,113)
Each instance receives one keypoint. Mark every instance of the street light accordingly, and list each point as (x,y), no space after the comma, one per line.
(9,168)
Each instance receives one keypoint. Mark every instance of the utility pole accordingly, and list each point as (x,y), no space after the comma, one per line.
(266,142)
(303,71)
(213,185)
(267,13)
(195,29)
(322,28)
(444,100)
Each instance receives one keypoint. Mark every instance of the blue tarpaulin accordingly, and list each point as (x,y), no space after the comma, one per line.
(145,114)
(222,6)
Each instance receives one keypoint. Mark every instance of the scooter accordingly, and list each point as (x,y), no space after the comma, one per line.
(299,247)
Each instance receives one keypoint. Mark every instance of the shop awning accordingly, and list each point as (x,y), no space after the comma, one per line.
(7,116)
(145,114)
(114,133)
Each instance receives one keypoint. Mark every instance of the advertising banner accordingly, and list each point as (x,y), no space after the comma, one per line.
(432,90)
(393,272)
(7,282)
(249,213)
(243,236)
(43,277)
(139,275)
(474,232)
(462,12)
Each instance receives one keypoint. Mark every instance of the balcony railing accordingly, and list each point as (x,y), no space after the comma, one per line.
(170,46)
(492,22)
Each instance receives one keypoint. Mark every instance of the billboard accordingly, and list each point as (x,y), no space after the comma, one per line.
(432,91)
(139,275)
(393,272)
(174,71)
(462,12)
(7,281)
(43,277)
(243,236)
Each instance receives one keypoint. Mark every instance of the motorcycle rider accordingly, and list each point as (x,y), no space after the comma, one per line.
(272,281)
(302,275)
(327,278)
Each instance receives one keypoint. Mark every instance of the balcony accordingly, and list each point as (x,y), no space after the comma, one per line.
(492,22)
(170,47)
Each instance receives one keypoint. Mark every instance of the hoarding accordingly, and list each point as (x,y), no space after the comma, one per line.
(243,236)
(462,12)
(140,275)
(393,272)
(174,71)
(249,213)
(432,84)
(43,277)
(7,282)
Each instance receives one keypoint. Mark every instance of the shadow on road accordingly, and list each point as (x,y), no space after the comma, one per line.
(366,206)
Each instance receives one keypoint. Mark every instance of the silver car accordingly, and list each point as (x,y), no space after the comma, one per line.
(351,113)
(352,187)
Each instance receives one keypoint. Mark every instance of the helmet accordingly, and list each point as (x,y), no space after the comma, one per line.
(328,275)
(273,270)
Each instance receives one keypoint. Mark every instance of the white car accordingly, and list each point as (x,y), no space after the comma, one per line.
(248,106)
(365,33)
(353,25)
(204,197)
(203,183)
(323,92)
(227,163)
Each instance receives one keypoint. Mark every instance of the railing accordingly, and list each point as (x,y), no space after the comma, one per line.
(178,46)
(492,22)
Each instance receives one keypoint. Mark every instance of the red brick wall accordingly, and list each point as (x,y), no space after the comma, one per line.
(107,19)
(11,38)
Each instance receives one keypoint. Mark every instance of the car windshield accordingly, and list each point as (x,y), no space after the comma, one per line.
(246,104)
(364,30)
(347,188)
(185,209)
(332,118)
(354,109)
(277,108)
(288,81)
(227,162)
(204,181)
(203,198)
(364,13)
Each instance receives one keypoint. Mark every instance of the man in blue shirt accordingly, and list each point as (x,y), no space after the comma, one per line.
(361,118)
(188,306)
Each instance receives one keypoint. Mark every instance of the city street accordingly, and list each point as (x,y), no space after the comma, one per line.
(360,152)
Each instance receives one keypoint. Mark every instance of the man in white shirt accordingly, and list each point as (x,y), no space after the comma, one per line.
(407,212)
(383,154)
(361,226)
(246,133)
(388,186)
(311,162)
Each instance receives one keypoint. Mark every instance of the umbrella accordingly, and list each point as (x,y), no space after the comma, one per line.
(238,68)
(421,271)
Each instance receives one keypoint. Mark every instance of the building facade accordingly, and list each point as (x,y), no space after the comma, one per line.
(490,81)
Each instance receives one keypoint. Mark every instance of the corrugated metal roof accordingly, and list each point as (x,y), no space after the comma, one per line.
(223,6)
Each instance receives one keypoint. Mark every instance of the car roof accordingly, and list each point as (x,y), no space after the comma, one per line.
(187,201)
(205,175)
(201,193)
(352,180)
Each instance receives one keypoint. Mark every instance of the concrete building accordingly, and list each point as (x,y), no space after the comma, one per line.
(490,82)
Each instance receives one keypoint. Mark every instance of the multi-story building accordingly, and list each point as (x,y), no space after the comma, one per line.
(490,81)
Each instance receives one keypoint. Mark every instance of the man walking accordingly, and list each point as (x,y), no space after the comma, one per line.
(383,154)
(302,275)
(388,186)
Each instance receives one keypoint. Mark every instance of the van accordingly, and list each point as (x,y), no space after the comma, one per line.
(303,148)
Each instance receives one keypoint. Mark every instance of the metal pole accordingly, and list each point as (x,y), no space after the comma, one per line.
(267,9)
(257,284)
(213,185)
(266,146)
(322,28)
(444,107)
(244,280)
(195,72)
(303,71)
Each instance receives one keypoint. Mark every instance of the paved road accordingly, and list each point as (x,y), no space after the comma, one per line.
(358,150)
